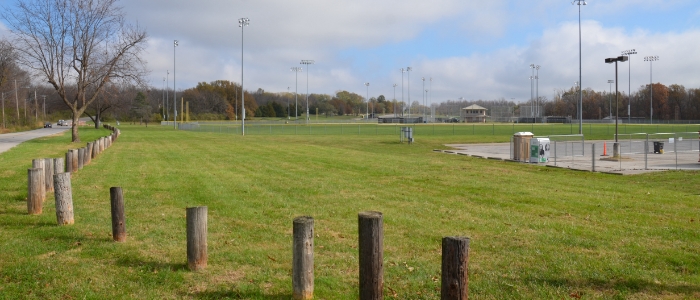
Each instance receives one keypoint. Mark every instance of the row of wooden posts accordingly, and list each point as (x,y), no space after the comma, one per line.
(455,255)
(54,175)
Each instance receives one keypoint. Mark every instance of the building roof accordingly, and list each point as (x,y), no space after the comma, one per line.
(474,106)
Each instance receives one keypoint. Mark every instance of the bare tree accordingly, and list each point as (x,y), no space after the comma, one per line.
(78,46)
(8,58)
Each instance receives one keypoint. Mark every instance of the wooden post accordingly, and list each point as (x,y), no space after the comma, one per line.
(88,154)
(95,149)
(69,161)
(64,198)
(118,217)
(303,258)
(58,167)
(371,240)
(48,174)
(197,238)
(74,160)
(34,201)
(81,158)
(40,163)
(101,143)
(455,262)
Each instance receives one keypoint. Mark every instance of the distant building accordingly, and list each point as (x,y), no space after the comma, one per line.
(474,114)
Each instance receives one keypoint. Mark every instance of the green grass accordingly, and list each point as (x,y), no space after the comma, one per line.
(536,233)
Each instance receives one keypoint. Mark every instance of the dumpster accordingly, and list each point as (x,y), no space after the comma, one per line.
(659,147)
(521,146)
(539,150)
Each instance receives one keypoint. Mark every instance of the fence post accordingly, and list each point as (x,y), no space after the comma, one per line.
(39,164)
(64,198)
(74,160)
(116,200)
(58,167)
(69,161)
(88,154)
(197,238)
(592,157)
(34,201)
(455,268)
(303,258)
(48,174)
(81,158)
(371,248)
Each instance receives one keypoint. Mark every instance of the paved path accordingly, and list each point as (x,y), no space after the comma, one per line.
(9,140)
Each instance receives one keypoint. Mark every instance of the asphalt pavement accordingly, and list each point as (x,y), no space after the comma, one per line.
(9,140)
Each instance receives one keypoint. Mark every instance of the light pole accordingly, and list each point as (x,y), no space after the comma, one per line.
(367,109)
(616,145)
(174,90)
(629,53)
(430,99)
(651,59)
(408,88)
(610,99)
(423,94)
(296,71)
(580,90)
(242,22)
(577,86)
(537,91)
(167,97)
(394,100)
(402,71)
(44,106)
(532,92)
(307,62)
(163,93)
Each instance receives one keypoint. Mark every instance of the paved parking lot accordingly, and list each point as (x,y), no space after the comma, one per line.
(579,156)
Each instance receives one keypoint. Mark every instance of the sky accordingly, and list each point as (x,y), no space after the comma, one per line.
(473,49)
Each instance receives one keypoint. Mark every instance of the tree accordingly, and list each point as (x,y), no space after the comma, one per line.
(141,109)
(83,44)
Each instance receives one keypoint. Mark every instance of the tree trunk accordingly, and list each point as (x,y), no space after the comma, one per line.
(74,128)
(34,201)
(64,198)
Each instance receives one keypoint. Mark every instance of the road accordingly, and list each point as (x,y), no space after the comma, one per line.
(9,140)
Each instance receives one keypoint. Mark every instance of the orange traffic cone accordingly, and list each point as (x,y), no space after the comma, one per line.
(605,149)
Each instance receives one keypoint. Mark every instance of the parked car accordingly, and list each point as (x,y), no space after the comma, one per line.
(48,125)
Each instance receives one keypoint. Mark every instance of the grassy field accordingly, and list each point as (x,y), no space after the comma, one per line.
(536,232)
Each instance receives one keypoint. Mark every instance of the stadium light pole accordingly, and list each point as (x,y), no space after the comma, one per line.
(616,145)
(651,59)
(394,100)
(296,71)
(307,62)
(430,98)
(423,94)
(167,97)
(532,92)
(580,90)
(408,88)
(629,53)
(402,71)
(242,22)
(175,44)
(537,91)
(163,92)
(610,99)
(367,109)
